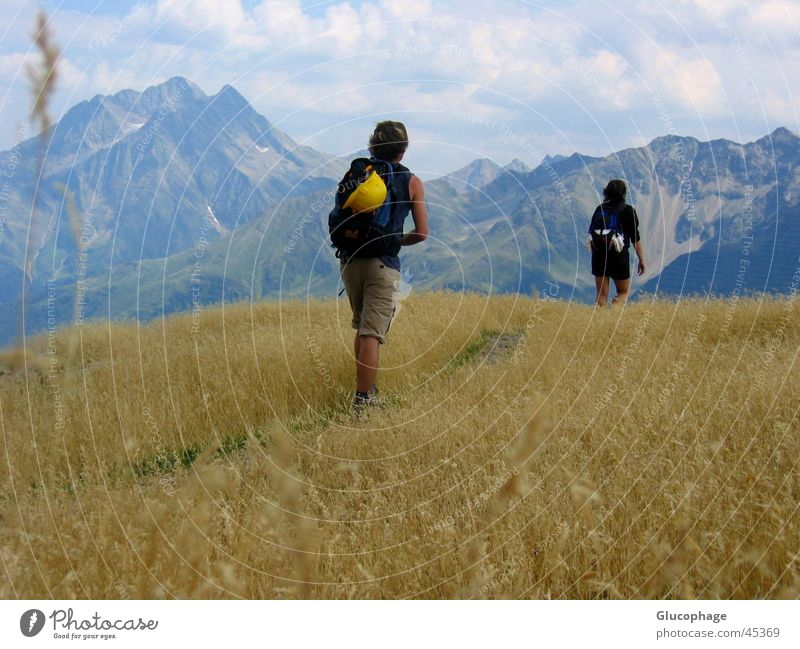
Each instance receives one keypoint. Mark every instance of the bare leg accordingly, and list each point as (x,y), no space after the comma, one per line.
(601,284)
(368,350)
(623,288)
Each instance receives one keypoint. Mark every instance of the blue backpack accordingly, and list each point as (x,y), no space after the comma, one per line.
(605,224)
(364,234)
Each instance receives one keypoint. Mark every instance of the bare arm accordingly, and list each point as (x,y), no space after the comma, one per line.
(640,254)
(419,212)
(637,246)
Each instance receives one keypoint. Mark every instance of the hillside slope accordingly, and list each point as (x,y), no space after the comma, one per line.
(645,451)
(182,198)
(135,177)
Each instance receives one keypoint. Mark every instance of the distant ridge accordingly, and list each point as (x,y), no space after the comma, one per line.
(187,199)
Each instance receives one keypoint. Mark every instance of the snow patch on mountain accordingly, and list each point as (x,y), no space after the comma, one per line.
(220,229)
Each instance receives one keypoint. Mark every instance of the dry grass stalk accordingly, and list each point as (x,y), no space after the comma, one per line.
(42,75)
(204,493)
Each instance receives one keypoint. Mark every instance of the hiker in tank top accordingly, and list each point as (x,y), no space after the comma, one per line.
(372,283)
(609,263)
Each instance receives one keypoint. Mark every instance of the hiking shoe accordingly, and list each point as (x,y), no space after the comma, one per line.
(374,399)
(360,402)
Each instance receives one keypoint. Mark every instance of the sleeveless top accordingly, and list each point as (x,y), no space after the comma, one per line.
(400,207)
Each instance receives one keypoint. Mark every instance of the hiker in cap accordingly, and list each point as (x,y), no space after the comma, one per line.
(614,226)
(366,227)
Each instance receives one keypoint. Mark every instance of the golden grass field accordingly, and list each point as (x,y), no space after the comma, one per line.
(649,451)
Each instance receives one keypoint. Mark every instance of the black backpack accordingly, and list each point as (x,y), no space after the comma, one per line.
(364,234)
(605,219)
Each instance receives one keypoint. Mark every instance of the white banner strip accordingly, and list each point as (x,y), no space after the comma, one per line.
(389,625)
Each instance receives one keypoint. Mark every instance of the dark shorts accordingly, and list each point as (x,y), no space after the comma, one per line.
(616,265)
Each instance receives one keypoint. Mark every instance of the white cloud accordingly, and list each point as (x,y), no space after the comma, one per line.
(217,19)
(684,80)
(12,65)
(779,20)
(496,61)
(284,21)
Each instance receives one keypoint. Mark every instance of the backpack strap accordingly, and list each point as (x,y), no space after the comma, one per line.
(382,217)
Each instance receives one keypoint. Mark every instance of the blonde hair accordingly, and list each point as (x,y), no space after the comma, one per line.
(389,140)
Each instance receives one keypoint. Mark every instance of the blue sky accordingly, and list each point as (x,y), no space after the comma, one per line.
(497,79)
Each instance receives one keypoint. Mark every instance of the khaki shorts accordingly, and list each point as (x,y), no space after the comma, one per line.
(371,288)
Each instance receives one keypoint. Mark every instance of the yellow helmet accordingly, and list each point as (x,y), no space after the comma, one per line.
(369,195)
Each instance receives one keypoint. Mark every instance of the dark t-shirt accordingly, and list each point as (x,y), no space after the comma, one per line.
(629,223)
(610,263)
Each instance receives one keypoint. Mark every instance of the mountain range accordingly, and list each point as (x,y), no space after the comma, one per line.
(166,200)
